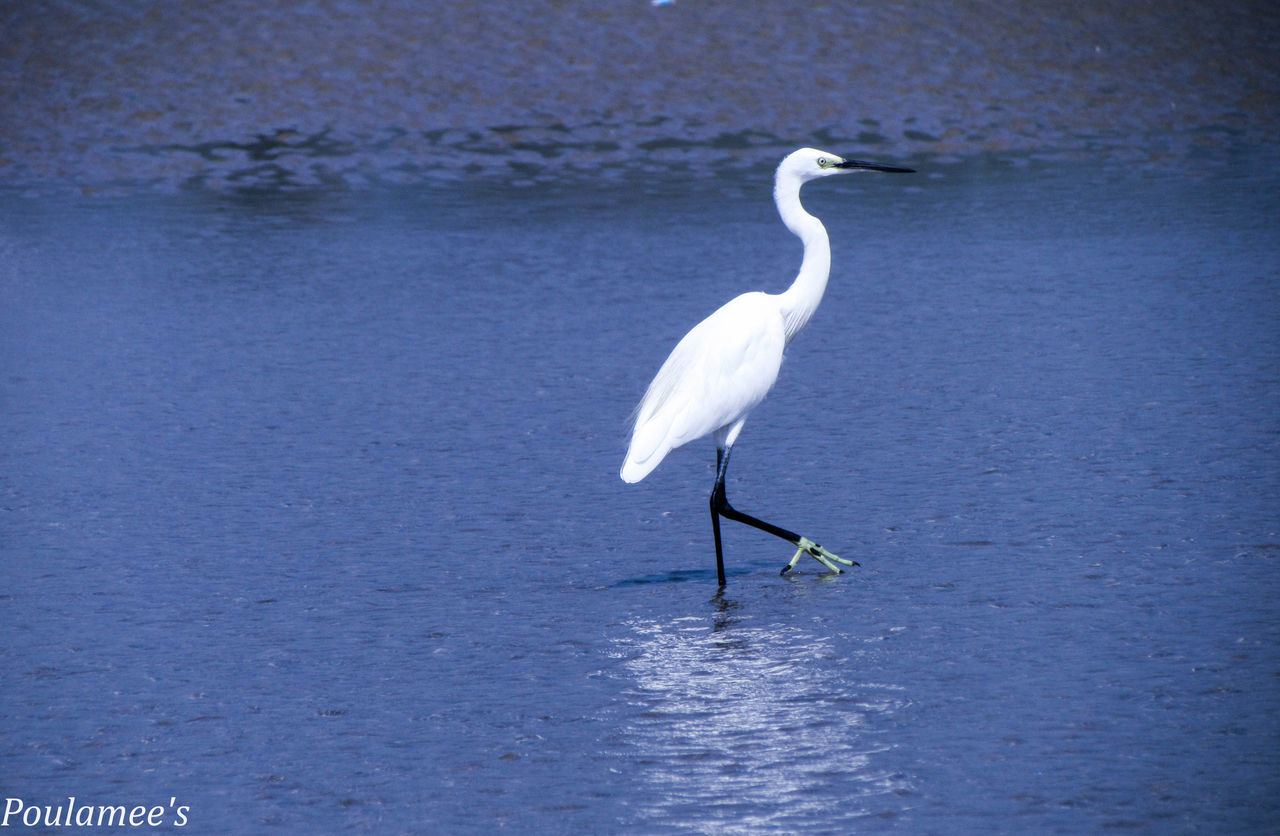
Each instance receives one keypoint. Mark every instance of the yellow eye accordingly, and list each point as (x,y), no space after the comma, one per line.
(823,162)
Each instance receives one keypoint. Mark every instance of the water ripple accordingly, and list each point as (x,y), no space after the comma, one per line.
(740,728)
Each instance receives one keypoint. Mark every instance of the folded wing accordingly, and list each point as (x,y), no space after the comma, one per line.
(714,376)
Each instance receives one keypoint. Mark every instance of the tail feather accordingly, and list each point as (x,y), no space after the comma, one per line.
(649,446)
(633,472)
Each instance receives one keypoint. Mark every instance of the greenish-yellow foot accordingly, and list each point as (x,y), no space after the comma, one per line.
(818,553)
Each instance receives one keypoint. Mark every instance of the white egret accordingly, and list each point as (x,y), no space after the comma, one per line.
(725,366)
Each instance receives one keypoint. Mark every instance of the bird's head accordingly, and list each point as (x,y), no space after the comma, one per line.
(810,164)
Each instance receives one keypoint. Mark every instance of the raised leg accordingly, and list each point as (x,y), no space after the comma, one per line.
(720,507)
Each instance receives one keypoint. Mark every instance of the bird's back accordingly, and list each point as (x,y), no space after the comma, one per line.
(714,376)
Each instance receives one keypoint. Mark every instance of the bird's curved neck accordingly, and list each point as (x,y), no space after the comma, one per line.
(801,299)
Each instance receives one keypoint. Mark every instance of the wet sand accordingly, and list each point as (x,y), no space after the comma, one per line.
(181,92)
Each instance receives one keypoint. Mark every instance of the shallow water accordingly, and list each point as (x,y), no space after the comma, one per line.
(312,517)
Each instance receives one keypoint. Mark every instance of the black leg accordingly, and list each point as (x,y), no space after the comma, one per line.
(720,506)
(718,491)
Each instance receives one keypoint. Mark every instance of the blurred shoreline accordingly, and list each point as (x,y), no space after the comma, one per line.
(173,94)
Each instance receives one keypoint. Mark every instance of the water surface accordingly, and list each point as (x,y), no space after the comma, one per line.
(311,516)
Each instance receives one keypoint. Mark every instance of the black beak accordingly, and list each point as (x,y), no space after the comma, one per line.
(875,167)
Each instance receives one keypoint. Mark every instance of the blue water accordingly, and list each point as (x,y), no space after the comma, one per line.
(311,516)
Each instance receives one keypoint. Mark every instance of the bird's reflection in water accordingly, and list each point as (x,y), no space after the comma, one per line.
(755,724)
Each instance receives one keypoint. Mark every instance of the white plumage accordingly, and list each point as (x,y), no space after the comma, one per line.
(716,375)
